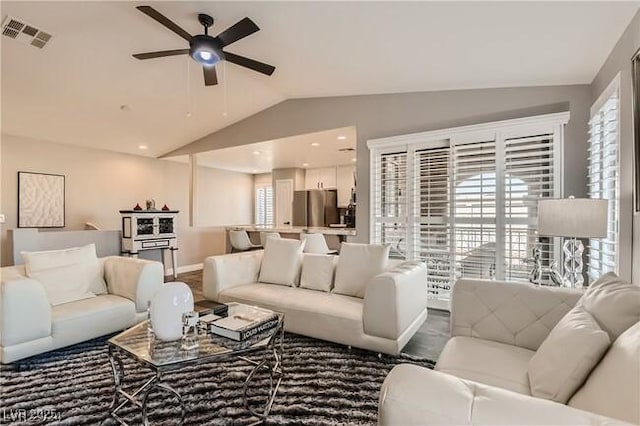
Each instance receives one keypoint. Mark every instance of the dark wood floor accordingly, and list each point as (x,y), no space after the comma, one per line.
(427,342)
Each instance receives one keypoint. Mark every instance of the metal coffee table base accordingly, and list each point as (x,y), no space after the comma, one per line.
(271,362)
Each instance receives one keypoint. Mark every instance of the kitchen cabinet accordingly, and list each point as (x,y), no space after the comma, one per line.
(346,182)
(321,178)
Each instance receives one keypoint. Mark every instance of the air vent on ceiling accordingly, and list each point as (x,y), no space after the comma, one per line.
(24,33)
(347,150)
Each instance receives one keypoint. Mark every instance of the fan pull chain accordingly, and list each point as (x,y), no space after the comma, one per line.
(188,87)
(224,90)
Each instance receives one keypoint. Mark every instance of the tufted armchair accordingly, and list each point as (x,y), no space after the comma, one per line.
(515,314)
(482,375)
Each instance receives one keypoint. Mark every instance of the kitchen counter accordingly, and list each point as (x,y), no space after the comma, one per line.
(334,236)
(284,229)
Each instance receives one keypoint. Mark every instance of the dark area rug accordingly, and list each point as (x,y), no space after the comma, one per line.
(324,384)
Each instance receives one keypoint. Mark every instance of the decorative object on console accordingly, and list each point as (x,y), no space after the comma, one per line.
(167,306)
(137,207)
(41,200)
(165,208)
(574,218)
(150,230)
(151,204)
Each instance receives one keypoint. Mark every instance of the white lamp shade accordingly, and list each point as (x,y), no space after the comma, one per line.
(573,217)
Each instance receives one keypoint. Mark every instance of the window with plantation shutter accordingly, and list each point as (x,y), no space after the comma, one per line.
(529,174)
(604,179)
(464,201)
(432,218)
(390,201)
(264,205)
(474,209)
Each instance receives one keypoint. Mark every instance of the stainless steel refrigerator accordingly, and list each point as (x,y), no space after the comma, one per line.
(316,207)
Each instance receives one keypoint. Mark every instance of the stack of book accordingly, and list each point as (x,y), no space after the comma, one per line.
(244,322)
(206,307)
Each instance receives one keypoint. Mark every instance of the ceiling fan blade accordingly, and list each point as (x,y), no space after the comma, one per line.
(154,14)
(210,76)
(161,54)
(240,29)
(249,63)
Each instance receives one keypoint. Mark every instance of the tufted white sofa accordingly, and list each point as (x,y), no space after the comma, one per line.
(393,308)
(481,376)
(30,325)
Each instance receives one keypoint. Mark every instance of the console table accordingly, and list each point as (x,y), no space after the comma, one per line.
(150,230)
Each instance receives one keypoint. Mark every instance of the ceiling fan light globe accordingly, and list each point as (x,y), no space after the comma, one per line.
(203,50)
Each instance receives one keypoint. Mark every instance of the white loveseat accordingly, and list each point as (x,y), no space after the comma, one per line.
(30,325)
(391,311)
(482,375)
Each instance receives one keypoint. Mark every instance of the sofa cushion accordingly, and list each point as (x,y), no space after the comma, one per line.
(85,319)
(357,264)
(484,361)
(66,275)
(613,303)
(317,272)
(281,261)
(613,387)
(565,358)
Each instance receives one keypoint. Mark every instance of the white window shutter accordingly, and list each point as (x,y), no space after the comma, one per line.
(390,202)
(432,219)
(529,174)
(604,183)
(474,207)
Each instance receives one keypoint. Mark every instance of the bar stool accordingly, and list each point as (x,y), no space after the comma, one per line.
(240,241)
(316,243)
(265,235)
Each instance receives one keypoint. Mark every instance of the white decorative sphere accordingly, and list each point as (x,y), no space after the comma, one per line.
(167,306)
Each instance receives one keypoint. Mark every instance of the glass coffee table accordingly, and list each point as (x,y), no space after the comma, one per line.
(139,343)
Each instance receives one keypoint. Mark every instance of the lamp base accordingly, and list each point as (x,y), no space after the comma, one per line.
(573,265)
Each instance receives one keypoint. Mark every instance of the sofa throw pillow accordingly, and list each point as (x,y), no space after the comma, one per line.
(567,356)
(613,387)
(613,303)
(281,261)
(66,275)
(317,271)
(357,264)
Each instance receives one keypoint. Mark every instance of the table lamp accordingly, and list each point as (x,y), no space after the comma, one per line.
(574,218)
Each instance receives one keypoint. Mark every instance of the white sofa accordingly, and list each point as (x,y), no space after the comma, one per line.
(481,376)
(30,325)
(392,310)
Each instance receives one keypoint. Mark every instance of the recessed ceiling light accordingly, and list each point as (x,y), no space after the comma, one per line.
(142,147)
(354,160)
(342,137)
(256,152)
(315,144)
(305,164)
(125,107)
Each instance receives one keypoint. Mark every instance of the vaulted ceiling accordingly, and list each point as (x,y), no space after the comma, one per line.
(84,87)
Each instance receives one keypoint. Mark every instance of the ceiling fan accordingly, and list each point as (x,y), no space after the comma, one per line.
(205,49)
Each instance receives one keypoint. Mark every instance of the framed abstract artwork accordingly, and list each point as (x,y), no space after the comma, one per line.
(40,200)
(635,70)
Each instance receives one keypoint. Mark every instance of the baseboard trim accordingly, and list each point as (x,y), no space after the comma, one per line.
(186,268)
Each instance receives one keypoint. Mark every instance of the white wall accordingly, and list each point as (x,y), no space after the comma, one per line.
(99,183)
(224,197)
